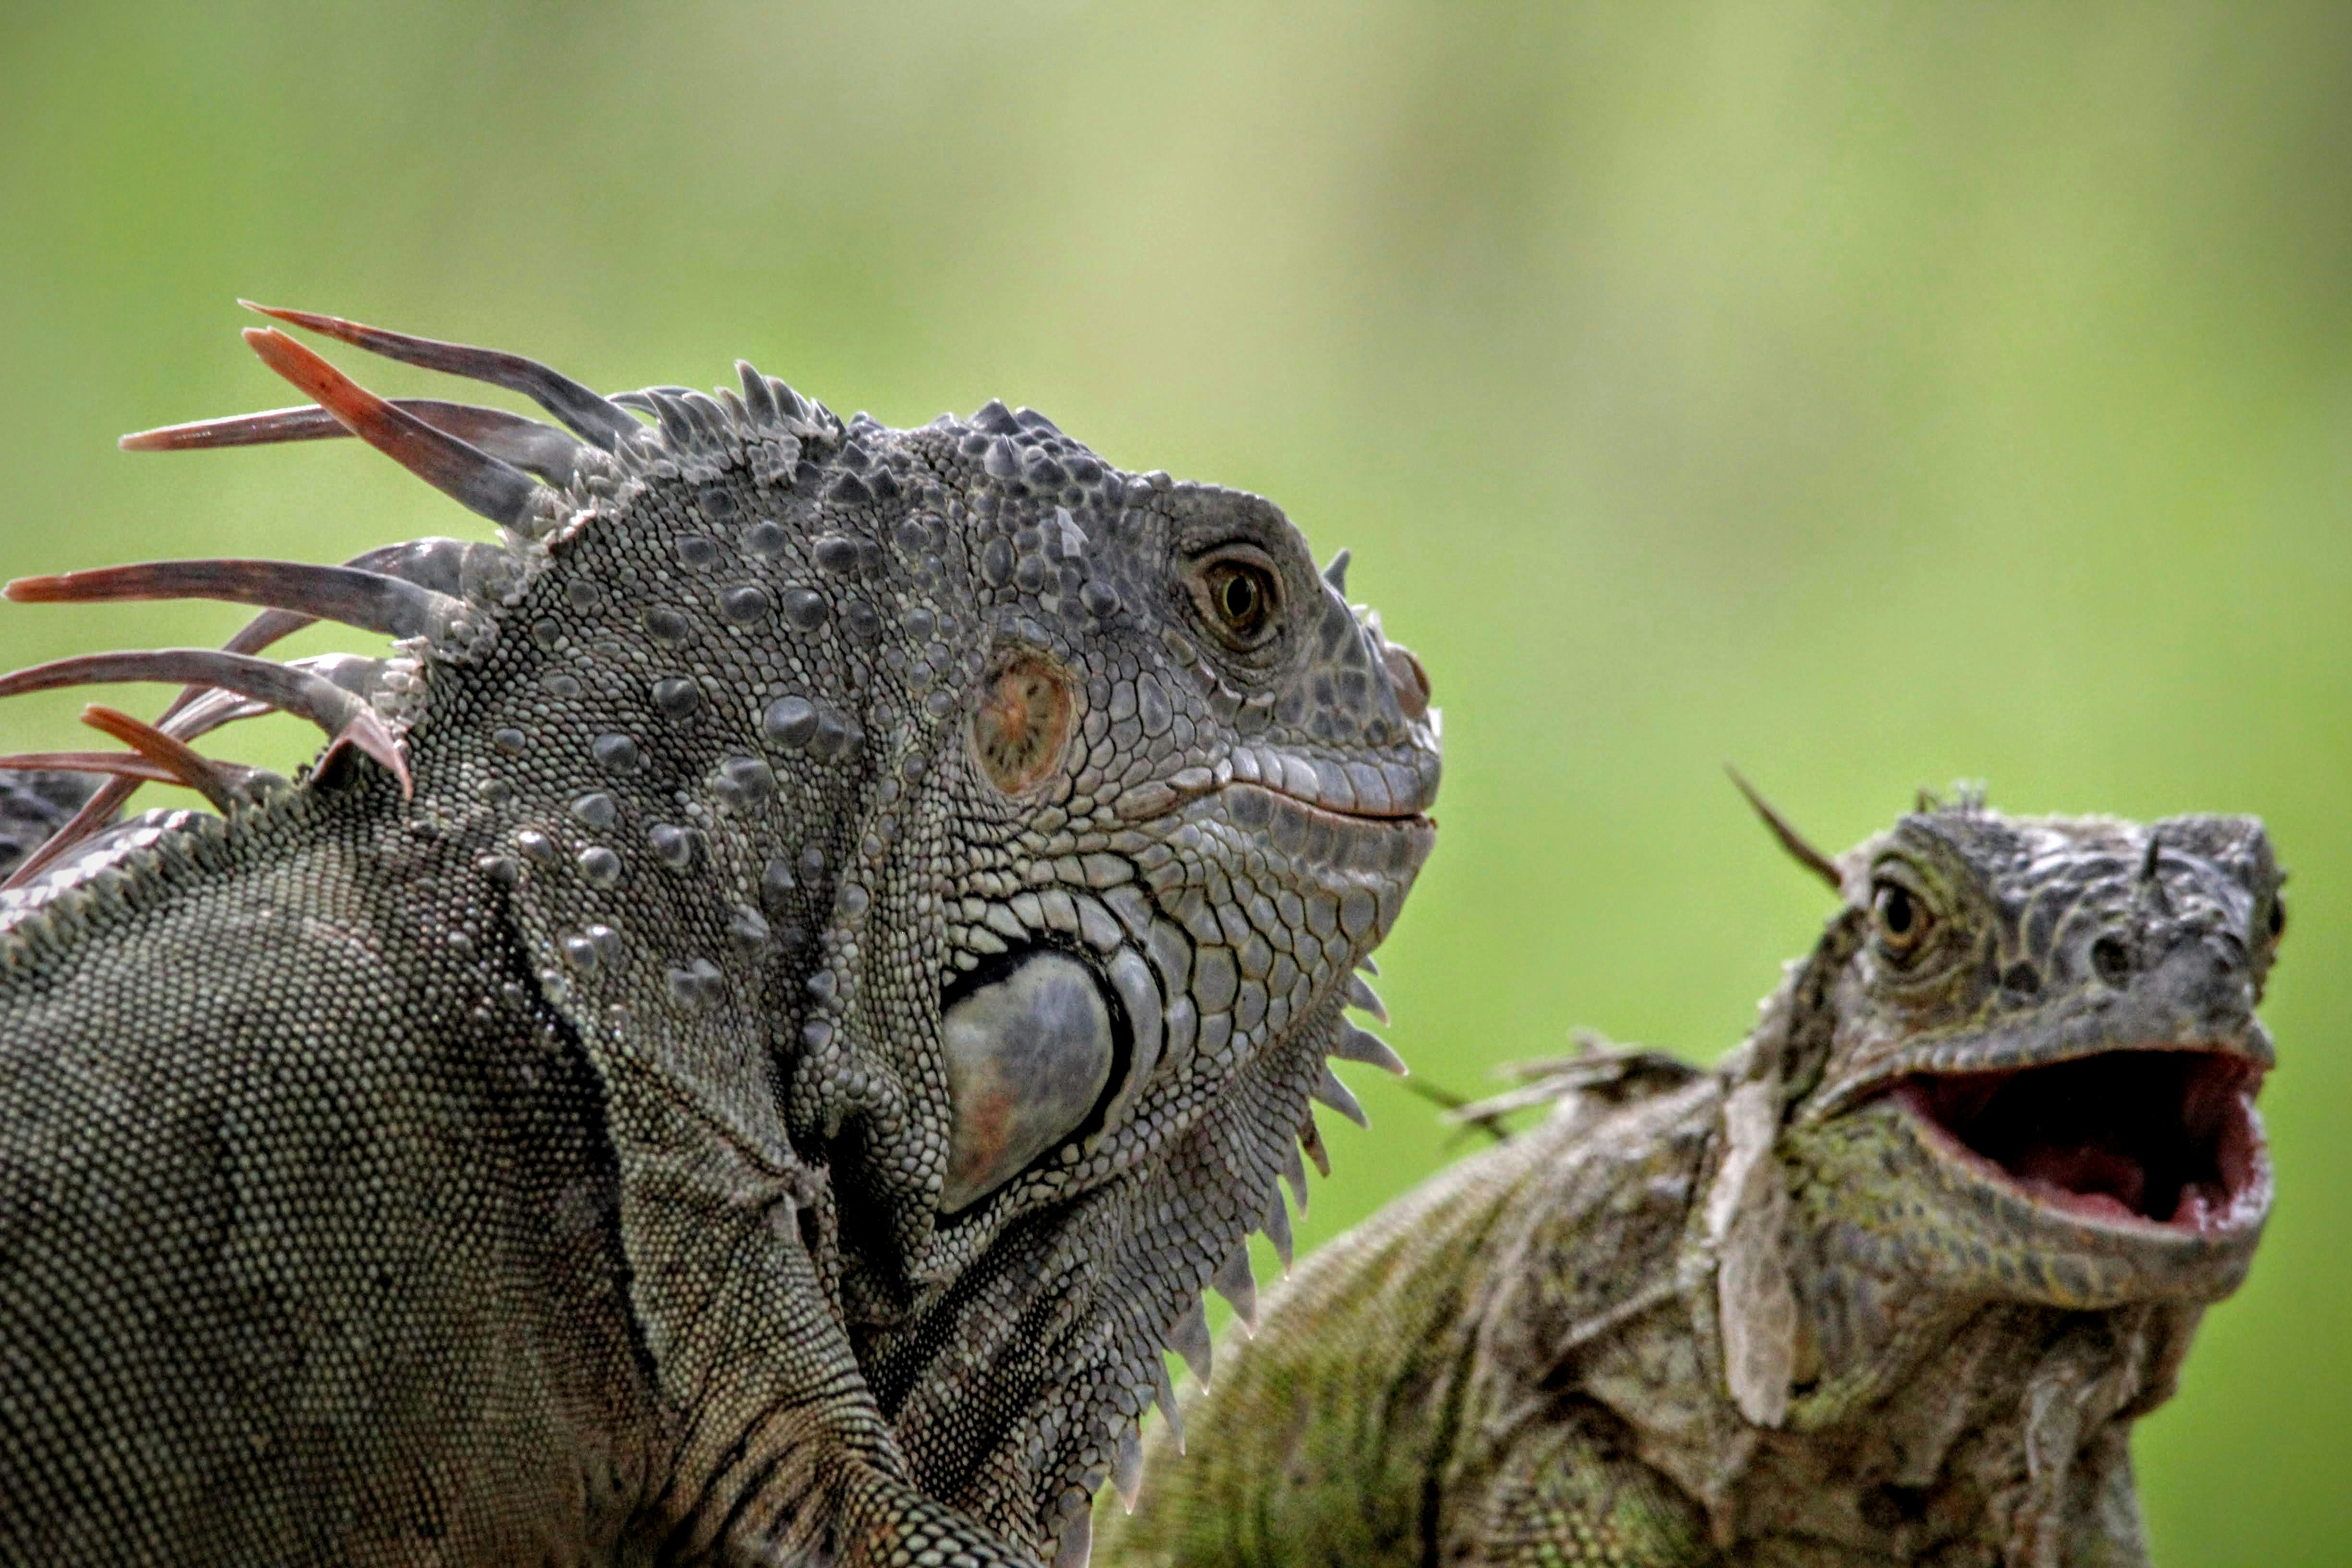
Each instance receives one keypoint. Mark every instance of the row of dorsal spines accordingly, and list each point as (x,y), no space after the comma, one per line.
(524,476)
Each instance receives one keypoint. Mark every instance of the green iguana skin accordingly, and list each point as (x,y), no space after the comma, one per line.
(871,913)
(1888,1287)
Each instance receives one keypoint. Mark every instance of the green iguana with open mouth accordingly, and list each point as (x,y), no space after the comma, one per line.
(1888,1286)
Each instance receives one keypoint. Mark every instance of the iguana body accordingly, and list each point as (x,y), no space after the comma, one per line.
(830,955)
(1889,1286)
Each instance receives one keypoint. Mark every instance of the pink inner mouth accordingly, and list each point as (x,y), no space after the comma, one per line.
(2167,1138)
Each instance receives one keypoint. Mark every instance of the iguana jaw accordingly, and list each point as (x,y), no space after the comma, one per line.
(2158,1143)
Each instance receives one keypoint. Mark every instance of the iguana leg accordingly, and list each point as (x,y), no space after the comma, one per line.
(782,1454)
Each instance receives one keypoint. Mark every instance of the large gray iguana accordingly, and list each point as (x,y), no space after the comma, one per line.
(1888,1286)
(783,990)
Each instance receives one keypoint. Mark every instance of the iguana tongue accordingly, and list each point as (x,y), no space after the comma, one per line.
(2083,1178)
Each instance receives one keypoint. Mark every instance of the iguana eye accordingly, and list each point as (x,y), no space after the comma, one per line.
(2277,921)
(1238,594)
(1902,919)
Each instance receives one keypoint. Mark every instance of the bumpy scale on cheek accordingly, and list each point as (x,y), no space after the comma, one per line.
(1024,723)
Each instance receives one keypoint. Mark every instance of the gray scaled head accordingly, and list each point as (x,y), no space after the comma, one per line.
(2045,1033)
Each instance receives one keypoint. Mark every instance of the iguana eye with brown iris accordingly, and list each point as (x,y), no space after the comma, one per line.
(1902,919)
(1238,597)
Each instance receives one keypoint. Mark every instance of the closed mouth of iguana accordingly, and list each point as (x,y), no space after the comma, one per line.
(2146,1139)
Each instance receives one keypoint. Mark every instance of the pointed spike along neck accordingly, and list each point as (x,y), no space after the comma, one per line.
(458,469)
(1328,1090)
(1361,1046)
(587,414)
(1277,1225)
(219,784)
(122,765)
(1310,1141)
(1126,1467)
(553,455)
(1233,1281)
(370,601)
(348,721)
(1189,1337)
(1077,1541)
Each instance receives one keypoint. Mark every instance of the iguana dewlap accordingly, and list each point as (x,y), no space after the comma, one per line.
(1890,1286)
(786,987)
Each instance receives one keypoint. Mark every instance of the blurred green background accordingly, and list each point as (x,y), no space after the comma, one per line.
(1872,397)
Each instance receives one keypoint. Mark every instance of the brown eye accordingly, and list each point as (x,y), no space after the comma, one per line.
(1903,920)
(1241,599)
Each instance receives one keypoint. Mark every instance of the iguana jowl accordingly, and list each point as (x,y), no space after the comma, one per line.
(828,958)
(1889,1286)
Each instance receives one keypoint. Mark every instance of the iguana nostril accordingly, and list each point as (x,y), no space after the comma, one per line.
(1405,674)
(2111,959)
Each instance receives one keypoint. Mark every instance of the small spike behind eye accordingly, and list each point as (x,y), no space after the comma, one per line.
(1233,1282)
(1336,573)
(368,600)
(553,455)
(1359,1046)
(222,786)
(1364,998)
(1310,1140)
(458,469)
(579,407)
(1189,1338)
(345,718)
(1276,1226)
(1328,1090)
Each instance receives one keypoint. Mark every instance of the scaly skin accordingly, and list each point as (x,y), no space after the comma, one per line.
(1779,1313)
(870,916)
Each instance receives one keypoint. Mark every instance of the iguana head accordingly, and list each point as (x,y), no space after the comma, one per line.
(2046,1029)
(2020,1068)
(1182,800)
(981,838)
(1978,1171)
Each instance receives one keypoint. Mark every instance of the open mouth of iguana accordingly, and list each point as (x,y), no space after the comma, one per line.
(2168,1139)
